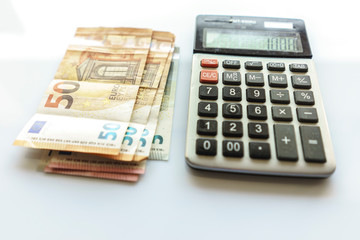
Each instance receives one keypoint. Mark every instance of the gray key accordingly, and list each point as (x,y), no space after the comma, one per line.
(301,81)
(279,96)
(254,79)
(298,67)
(205,146)
(312,144)
(285,142)
(281,113)
(235,64)
(208,92)
(231,78)
(254,65)
(304,97)
(308,115)
(277,80)
(276,66)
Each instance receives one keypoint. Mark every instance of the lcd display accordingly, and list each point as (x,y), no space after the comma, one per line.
(252,40)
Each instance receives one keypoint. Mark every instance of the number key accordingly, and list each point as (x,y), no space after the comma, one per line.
(207,109)
(232,93)
(258,130)
(208,92)
(206,127)
(233,148)
(255,95)
(206,146)
(232,129)
(232,110)
(257,112)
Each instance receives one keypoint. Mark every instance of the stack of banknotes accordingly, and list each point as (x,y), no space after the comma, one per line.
(109,106)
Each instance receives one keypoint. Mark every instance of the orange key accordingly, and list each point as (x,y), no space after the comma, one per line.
(209,76)
(211,63)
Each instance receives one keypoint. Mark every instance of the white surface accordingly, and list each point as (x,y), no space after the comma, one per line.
(172,201)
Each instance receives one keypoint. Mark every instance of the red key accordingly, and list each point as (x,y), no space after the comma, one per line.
(211,63)
(209,76)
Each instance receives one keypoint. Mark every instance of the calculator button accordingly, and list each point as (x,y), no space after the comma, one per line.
(208,92)
(304,97)
(207,109)
(259,150)
(253,65)
(301,81)
(255,95)
(211,63)
(209,76)
(276,66)
(206,127)
(277,80)
(232,93)
(232,110)
(258,130)
(312,144)
(281,113)
(257,112)
(285,142)
(206,147)
(308,115)
(234,64)
(298,67)
(232,128)
(231,78)
(279,96)
(233,148)
(254,79)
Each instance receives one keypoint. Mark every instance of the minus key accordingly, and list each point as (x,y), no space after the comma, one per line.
(307,115)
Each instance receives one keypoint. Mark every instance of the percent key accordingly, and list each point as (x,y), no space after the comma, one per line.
(304,97)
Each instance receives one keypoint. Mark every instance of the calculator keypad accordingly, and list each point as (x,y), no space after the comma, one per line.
(271,116)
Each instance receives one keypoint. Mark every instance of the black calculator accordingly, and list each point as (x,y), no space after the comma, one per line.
(255,104)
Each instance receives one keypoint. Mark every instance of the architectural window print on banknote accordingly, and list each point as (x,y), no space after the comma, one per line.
(97,67)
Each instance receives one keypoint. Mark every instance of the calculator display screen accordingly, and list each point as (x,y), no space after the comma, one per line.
(252,40)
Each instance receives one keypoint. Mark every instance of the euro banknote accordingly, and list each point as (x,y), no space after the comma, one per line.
(160,147)
(89,85)
(104,175)
(116,55)
(144,146)
(90,162)
(80,116)
(160,50)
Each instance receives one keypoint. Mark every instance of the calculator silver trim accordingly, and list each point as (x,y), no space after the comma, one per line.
(245,164)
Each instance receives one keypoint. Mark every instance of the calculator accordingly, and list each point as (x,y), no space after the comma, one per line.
(255,104)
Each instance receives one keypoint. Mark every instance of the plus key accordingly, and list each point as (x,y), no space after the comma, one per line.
(285,143)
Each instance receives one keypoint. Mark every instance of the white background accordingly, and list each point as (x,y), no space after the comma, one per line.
(171,201)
